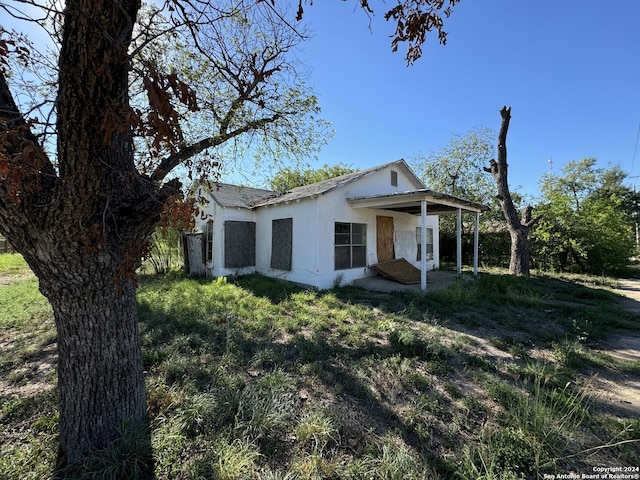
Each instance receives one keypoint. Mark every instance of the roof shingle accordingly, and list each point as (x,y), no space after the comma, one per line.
(228,195)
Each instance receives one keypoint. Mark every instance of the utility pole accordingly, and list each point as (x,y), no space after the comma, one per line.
(637,216)
(637,225)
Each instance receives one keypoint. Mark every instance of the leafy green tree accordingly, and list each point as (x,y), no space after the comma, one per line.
(586,223)
(456,169)
(290,177)
(252,95)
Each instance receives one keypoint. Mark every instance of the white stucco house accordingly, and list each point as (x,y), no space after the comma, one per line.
(324,232)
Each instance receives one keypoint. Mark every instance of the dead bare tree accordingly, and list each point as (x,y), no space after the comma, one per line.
(519,226)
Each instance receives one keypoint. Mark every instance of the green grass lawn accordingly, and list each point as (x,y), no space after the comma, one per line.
(259,379)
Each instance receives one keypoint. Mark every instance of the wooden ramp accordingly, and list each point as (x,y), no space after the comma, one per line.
(399,270)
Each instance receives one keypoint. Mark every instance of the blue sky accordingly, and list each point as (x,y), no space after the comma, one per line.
(570,70)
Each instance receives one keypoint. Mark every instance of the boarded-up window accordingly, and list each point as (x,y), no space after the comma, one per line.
(239,244)
(350,245)
(281,243)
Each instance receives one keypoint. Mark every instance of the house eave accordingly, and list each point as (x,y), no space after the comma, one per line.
(409,202)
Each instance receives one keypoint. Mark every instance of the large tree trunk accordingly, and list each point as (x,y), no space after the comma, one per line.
(518,228)
(100,374)
(82,226)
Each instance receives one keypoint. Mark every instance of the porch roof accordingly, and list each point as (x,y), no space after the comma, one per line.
(409,202)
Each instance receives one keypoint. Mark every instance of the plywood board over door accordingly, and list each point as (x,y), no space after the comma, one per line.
(384,238)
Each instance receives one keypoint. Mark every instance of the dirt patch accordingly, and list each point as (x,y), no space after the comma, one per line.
(623,347)
(618,393)
(32,377)
(629,289)
(613,391)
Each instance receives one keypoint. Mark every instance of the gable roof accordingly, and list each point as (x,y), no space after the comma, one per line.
(321,188)
(227,195)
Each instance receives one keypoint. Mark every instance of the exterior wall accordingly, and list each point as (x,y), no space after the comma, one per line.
(335,208)
(219,215)
(379,183)
(304,257)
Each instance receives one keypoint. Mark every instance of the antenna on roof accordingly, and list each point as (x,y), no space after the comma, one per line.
(550,165)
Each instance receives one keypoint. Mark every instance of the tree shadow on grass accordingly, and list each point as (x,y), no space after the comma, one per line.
(186,352)
(190,350)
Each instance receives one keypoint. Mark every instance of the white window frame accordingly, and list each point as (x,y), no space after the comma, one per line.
(350,241)
(429,243)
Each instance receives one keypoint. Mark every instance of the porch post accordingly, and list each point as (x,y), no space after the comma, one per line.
(476,234)
(423,245)
(459,240)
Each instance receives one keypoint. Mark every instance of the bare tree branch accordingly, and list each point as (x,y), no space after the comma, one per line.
(172,161)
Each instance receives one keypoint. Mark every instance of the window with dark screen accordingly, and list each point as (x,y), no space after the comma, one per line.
(350,245)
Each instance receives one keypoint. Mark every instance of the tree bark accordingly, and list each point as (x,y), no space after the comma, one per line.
(91,290)
(100,373)
(518,229)
(519,259)
(82,227)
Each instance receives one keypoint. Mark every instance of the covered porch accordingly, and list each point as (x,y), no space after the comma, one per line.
(428,202)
